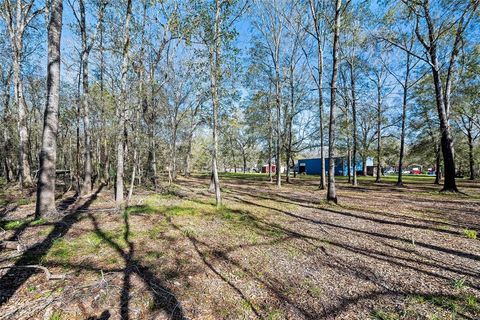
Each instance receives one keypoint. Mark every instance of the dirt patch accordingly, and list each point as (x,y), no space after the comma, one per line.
(382,253)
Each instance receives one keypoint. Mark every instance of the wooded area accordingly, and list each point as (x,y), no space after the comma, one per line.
(244,138)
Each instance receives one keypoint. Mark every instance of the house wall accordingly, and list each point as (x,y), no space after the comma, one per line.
(314,165)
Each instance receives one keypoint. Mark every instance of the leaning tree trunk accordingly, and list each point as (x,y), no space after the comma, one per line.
(331,192)
(45,205)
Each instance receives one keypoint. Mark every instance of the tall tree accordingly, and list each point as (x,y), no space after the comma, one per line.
(5,81)
(433,33)
(18,16)
(271,26)
(87,45)
(215,72)
(48,155)
(317,8)
(122,109)
(379,79)
(331,191)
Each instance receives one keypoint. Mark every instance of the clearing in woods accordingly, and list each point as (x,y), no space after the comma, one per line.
(382,253)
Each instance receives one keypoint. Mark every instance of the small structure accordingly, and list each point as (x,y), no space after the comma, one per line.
(267,169)
(314,166)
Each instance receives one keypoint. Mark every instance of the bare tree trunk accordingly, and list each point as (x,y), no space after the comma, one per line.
(442,97)
(105,158)
(25,178)
(270,142)
(87,179)
(404,119)
(189,154)
(289,118)
(289,148)
(244,158)
(331,192)
(121,110)
(354,123)
(6,136)
(446,138)
(379,133)
(214,76)
(349,164)
(17,19)
(48,155)
(173,166)
(438,172)
(278,103)
(78,115)
(319,37)
(135,157)
(234,161)
(471,161)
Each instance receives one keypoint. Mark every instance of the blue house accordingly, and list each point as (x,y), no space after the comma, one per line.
(314,165)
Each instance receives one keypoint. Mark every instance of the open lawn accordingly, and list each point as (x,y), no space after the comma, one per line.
(382,253)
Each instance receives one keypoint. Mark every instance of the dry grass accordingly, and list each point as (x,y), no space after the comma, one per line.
(382,253)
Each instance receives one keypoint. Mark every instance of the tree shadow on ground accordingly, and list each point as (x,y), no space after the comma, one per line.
(164,298)
(210,255)
(459,253)
(15,277)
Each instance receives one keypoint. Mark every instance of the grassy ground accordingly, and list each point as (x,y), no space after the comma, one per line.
(382,253)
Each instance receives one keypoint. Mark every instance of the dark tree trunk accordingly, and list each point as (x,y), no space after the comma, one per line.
(244,156)
(442,97)
(331,192)
(7,147)
(404,119)
(278,103)
(446,137)
(289,149)
(349,165)
(471,161)
(438,171)
(319,36)
(379,133)
(270,142)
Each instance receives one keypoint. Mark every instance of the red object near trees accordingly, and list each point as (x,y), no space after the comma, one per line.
(415,171)
(265,169)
